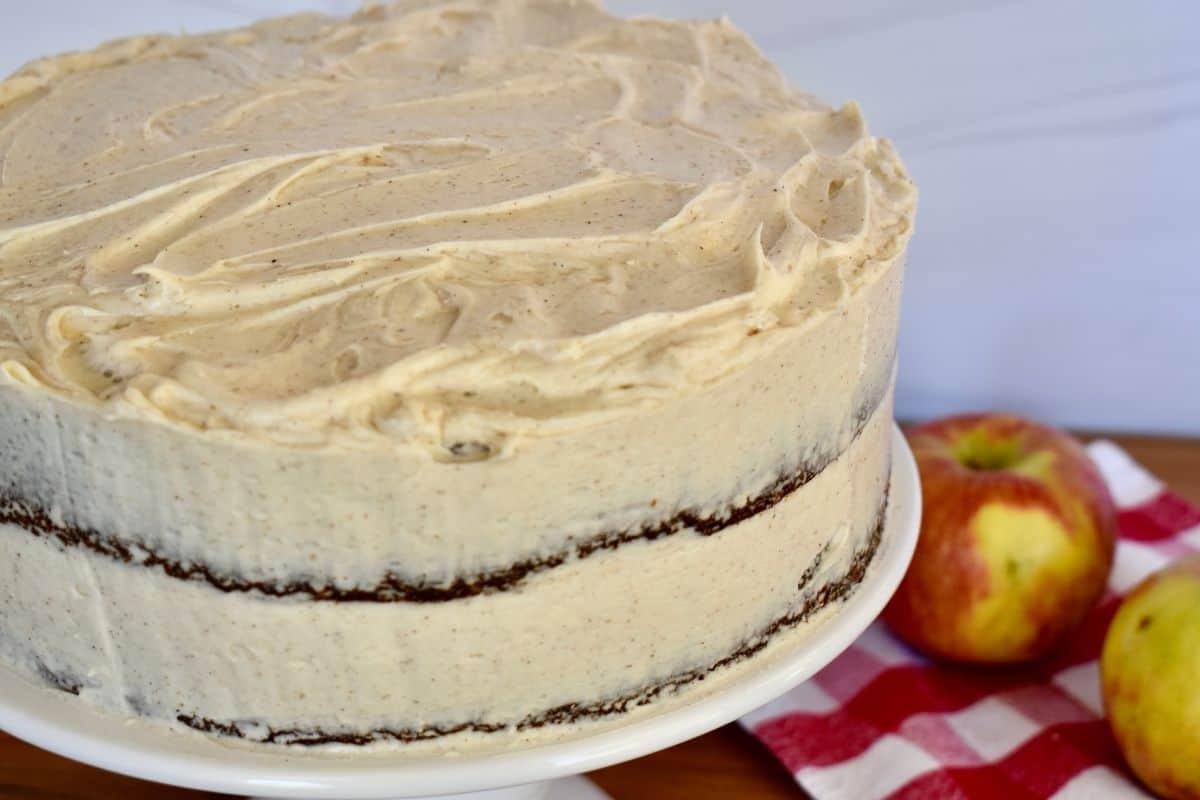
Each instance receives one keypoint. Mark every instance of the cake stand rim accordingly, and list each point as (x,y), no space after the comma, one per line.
(62,725)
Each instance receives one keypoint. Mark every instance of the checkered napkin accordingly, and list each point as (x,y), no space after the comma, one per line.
(881,721)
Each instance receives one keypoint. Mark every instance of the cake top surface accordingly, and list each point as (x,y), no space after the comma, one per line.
(432,222)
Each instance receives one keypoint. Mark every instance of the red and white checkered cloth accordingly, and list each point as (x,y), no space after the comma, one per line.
(881,721)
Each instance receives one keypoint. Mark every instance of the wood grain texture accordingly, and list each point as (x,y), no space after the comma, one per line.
(724,764)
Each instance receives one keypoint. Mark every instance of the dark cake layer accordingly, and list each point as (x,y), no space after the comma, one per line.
(393,587)
(567,713)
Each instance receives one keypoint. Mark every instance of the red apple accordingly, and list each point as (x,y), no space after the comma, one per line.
(1148,672)
(1016,540)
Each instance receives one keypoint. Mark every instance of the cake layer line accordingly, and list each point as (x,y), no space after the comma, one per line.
(834,591)
(395,588)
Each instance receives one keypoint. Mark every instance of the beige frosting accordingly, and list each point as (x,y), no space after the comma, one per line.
(595,630)
(439,222)
(610,275)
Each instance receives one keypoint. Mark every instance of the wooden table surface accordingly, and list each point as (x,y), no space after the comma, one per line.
(726,763)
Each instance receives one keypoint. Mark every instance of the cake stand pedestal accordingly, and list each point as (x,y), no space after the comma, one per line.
(61,724)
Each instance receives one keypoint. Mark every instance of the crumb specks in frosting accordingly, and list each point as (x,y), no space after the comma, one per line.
(469,451)
(501,218)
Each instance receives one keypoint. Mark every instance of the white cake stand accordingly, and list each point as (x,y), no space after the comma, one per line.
(61,724)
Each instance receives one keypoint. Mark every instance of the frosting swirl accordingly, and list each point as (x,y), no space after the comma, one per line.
(433,222)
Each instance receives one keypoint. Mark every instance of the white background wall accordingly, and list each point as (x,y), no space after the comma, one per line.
(1056,144)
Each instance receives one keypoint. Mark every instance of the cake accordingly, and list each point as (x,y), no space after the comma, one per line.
(459,373)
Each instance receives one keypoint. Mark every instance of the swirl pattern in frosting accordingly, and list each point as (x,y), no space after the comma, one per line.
(432,222)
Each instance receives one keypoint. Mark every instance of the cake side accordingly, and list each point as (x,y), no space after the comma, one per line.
(644,625)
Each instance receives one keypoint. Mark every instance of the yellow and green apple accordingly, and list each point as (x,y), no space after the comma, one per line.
(1150,679)
(1016,540)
